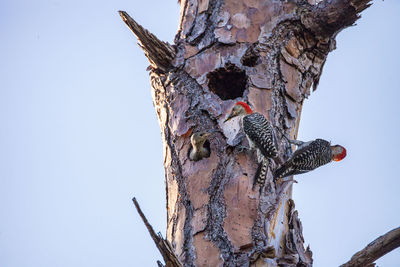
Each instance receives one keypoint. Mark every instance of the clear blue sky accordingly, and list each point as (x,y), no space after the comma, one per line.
(79,136)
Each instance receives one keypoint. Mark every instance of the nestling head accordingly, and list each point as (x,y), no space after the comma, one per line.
(338,152)
(239,109)
(199,138)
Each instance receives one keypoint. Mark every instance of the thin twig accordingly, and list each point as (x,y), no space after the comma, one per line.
(146,222)
(163,245)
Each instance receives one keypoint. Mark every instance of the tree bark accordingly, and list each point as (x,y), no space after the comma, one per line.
(265,52)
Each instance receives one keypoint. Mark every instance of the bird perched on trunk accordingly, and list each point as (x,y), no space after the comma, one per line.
(199,150)
(309,156)
(260,136)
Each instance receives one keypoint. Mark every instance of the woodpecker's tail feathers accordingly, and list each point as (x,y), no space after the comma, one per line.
(261,174)
(285,171)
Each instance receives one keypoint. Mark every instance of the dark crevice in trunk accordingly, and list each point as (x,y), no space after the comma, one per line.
(217,212)
(228,82)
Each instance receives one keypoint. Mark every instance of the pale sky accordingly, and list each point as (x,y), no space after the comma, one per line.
(79,136)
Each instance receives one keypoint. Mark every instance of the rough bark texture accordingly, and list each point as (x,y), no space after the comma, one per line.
(268,53)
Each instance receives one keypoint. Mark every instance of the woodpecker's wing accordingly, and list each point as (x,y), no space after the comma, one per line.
(308,157)
(260,132)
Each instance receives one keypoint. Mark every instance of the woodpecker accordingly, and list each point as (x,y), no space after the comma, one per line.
(199,150)
(260,135)
(309,156)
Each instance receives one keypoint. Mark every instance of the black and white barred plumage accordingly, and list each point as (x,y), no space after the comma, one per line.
(261,136)
(307,157)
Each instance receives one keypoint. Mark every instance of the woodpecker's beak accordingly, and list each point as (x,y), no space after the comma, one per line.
(230,117)
(206,134)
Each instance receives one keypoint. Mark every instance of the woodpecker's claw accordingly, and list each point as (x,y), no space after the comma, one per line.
(241,149)
(283,134)
(282,180)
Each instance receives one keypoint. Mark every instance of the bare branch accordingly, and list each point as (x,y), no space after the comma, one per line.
(376,249)
(159,53)
(331,16)
(163,245)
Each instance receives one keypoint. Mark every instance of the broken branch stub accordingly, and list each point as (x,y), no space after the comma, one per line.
(331,16)
(159,53)
(376,249)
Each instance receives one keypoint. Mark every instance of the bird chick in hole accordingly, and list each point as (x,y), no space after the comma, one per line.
(200,146)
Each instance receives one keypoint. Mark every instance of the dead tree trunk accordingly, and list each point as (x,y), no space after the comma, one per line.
(268,53)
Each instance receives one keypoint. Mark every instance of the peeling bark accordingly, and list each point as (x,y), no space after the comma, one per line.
(268,53)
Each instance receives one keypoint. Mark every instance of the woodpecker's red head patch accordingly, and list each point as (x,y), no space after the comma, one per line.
(245,106)
(339,153)
(239,109)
